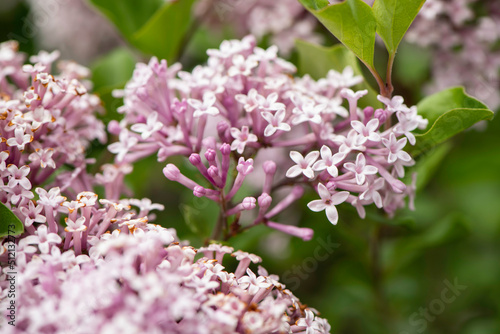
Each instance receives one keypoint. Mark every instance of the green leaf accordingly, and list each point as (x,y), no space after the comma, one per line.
(449,112)
(317,60)
(109,73)
(394,17)
(163,35)
(128,15)
(113,70)
(352,22)
(10,225)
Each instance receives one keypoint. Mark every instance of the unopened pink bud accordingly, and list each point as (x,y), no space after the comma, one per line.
(225,149)
(265,200)
(171,172)
(223,131)
(269,167)
(210,155)
(195,159)
(213,172)
(248,203)
(199,191)
(368,112)
(381,114)
(114,127)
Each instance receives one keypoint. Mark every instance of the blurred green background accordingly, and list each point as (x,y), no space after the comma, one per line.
(376,275)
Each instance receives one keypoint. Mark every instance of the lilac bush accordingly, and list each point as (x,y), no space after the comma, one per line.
(229,116)
(85,264)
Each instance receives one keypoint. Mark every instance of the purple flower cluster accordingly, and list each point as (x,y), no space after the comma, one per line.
(464,45)
(138,279)
(46,123)
(230,116)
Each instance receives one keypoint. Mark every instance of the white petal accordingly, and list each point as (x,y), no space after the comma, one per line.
(323,192)
(339,197)
(293,171)
(269,130)
(332,214)
(316,205)
(296,157)
(311,157)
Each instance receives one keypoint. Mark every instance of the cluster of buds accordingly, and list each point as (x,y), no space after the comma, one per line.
(143,281)
(229,116)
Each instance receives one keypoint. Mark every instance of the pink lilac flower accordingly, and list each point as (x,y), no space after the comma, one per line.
(258,110)
(241,139)
(303,164)
(275,122)
(131,271)
(328,202)
(47,120)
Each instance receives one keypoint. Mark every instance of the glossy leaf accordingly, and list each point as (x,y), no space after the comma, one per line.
(394,17)
(352,22)
(317,60)
(128,15)
(10,225)
(449,112)
(163,35)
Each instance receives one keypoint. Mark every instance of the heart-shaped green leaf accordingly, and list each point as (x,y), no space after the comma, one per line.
(394,17)
(10,225)
(317,60)
(449,112)
(352,22)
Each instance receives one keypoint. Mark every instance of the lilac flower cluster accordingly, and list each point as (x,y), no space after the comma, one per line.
(464,44)
(46,123)
(138,279)
(244,105)
(283,21)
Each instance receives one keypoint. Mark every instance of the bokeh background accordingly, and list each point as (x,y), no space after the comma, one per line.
(432,270)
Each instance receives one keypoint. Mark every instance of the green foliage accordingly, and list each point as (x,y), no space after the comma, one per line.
(127,15)
(10,225)
(352,22)
(428,164)
(154,27)
(394,17)
(163,34)
(109,73)
(317,60)
(113,70)
(449,112)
